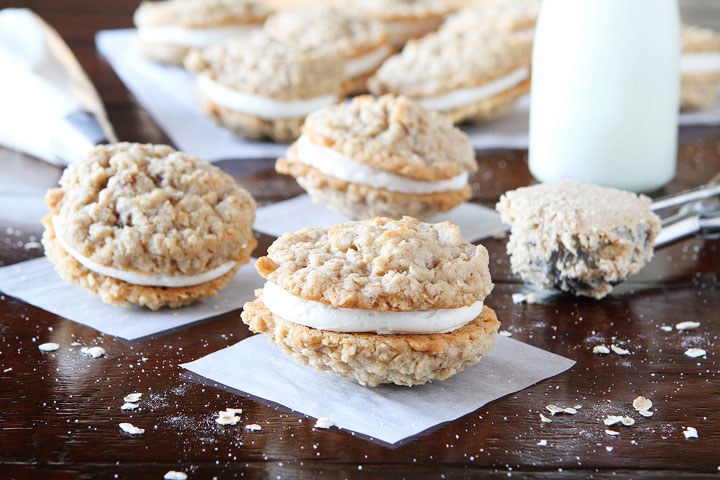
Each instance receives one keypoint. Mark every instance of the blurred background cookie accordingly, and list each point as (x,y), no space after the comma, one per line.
(260,87)
(147,225)
(383,156)
(168,29)
(379,301)
(700,67)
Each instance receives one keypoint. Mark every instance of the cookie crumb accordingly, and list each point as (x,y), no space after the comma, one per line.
(253,427)
(132,397)
(628,421)
(129,406)
(7,370)
(687,325)
(695,352)
(530,298)
(131,429)
(612,419)
(690,432)
(612,432)
(94,352)
(175,475)
(553,409)
(645,413)
(324,422)
(641,403)
(48,347)
(543,418)
(601,350)
(666,328)
(505,333)
(619,350)
(542,443)
(227,417)
(609,449)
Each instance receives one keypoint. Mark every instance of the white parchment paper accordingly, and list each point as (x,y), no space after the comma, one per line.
(167,94)
(388,413)
(37,283)
(475,221)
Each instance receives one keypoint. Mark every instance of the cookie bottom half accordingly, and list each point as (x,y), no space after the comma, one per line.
(120,293)
(373,359)
(490,108)
(699,91)
(359,201)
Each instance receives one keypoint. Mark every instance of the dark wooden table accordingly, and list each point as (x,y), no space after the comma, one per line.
(59,412)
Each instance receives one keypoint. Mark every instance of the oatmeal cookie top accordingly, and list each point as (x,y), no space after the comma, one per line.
(401,10)
(394,134)
(450,59)
(380,264)
(199,13)
(260,64)
(496,15)
(325,29)
(570,210)
(151,209)
(698,39)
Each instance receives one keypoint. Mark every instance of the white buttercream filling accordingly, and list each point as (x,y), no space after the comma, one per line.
(258,105)
(337,165)
(361,64)
(696,63)
(191,37)
(140,278)
(325,317)
(465,96)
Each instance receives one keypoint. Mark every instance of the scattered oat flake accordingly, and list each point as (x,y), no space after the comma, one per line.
(175,475)
(234,411)
(601,350)
(570,410)
(7,370)
(619,350)
(645,413)
(641,403)
(505,333)
(695,352)
(129,406)
(94,352)
(518,298)
(324,422)
(75,344)
(132,397)
(611,432)
(543,418)
(253,427)
(542,443)
(628,421)
(690,432)
(666,328)
(577,407)
(612,419)
(687,325)
(48,347)
(609,449)
(131,429)
(553,409)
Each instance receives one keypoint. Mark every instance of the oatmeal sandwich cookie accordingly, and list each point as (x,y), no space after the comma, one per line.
(262,87)
(379,301)
(168,29)
(700,67)
(576,237)
(467,74)
(497,16)
(404,19)
(363,44)
(147,225)
(382,156)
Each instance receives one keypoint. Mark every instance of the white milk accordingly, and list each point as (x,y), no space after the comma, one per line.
(605,92)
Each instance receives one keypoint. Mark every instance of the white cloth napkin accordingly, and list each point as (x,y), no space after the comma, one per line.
(388,413)
(37,283)
(42,84)
(167,94)
(475,221)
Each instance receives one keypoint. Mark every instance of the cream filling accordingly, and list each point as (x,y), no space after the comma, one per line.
(466,96)
(139,278)
(337,165)
(356,66)
(258,105)
(325,317)
(191,37)
(403,30)
(698,63)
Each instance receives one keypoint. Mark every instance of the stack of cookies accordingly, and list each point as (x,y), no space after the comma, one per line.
(385,156)
(700,67)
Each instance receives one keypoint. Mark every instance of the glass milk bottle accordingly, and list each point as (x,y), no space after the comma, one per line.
(605,92)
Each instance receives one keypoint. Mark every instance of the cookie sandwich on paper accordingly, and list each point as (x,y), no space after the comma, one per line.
(385,156)
(260,87)
(378,301)
(147,225)
(167,30)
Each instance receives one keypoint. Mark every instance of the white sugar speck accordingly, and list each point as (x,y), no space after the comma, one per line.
(542,443)
(690,432)
(175,475)
(324,422)
(131,429)
(687,325)
(132,397)
(94,352)
(601,350)
(666,328)
(48,347)
(609,449)
(695,352)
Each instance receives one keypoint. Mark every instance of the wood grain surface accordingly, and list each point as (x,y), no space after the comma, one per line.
(59,412)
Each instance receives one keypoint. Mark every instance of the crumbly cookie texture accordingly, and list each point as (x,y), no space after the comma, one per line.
(451,59)
(249,126)
(324,29)
(380,264)
(496,15)
(699,39)
(117,292)
(161,52)
(489,108)
(576,237)
(401,10)
(395,134)
(373,359)
(699,91)
(358,201)
(260,64)
(199,13)
(151,209)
